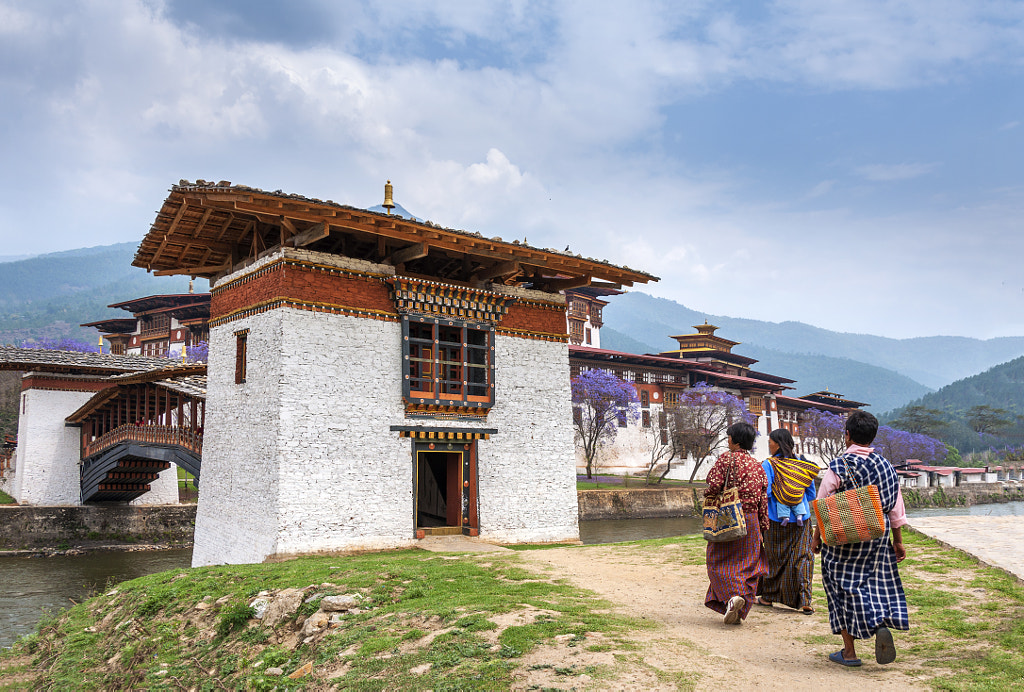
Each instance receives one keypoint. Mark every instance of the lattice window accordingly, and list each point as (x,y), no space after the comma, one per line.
(448,362)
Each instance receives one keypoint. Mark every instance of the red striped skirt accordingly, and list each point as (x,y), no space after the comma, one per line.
(734,569)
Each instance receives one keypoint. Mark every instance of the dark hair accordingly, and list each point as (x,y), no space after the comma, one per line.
(742,434)
(862,427)
(784,440)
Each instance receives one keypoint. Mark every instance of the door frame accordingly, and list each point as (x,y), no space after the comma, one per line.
(468,516)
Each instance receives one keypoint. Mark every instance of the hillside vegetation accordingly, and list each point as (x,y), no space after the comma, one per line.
(49,296)
(973,414)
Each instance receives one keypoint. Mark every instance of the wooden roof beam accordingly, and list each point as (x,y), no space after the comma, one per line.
(556,285)
(195,271)
(496,270)
(407,254)
(311,235)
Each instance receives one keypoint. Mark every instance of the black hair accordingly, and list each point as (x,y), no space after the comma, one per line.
(784,440)
(862,427)
(742,434)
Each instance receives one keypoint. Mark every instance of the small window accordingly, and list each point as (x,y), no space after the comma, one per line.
(588,335)
(577,415)
(241,356)
(645,399)
(645,418)
(621,416)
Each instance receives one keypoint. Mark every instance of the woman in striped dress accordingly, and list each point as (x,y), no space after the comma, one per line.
(734,568)
(787,542)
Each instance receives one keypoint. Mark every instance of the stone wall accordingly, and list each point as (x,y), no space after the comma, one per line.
(963,495)
(24,527)
(640,503)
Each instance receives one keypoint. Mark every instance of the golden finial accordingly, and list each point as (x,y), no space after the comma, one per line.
(389,194)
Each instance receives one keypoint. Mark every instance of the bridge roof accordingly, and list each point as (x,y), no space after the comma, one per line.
(76,362)
(191,386)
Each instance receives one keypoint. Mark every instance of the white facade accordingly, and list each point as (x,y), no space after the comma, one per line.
(46,463)
(301,458)
(630,452)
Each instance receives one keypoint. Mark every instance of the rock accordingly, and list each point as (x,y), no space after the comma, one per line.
(202,605)
(224,599)
(317,622)
(302,672)
(259,606)
(334,604)
(275,671)
(420,670)
(284,604)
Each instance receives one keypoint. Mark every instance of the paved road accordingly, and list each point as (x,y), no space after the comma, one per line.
(994,540)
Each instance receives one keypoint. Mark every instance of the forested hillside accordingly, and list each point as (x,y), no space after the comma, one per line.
(976,413)
(48,296)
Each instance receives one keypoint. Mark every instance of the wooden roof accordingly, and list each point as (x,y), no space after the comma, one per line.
(192,386)
(206,229)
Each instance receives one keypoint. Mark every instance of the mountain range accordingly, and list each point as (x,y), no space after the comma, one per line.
(49,296)
(884,372)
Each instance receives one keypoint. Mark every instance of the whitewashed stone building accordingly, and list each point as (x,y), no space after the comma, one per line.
(373,379)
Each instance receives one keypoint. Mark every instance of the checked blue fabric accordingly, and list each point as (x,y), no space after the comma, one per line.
(861,580)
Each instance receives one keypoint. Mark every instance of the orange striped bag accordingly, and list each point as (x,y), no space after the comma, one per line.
(852,516)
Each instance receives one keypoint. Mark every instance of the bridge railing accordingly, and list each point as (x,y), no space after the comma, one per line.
(188,438)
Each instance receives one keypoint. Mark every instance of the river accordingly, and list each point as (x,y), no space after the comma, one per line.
(30,586)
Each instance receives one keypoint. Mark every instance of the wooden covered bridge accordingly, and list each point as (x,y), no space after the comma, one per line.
(136,417)
(138,427)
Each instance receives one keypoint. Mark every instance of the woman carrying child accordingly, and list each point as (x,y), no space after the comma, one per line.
(787,542)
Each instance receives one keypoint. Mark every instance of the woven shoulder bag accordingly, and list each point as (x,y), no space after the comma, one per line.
(723,515)
(851,516)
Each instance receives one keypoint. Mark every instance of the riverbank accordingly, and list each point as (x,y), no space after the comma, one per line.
(626,616)
(964,495)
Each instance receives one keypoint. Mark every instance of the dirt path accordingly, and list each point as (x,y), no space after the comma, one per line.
(769,651)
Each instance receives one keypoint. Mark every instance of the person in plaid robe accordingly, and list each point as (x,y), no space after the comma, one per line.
(862,582)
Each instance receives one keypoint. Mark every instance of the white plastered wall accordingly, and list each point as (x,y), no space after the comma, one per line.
(48,453)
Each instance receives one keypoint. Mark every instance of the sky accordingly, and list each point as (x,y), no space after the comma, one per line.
(852,165)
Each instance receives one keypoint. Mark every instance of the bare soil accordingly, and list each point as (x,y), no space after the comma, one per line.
(774,649)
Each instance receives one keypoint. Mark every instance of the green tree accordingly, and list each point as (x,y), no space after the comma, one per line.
(920,419)
(987,420)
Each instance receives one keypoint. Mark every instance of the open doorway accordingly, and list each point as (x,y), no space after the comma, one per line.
(445,492)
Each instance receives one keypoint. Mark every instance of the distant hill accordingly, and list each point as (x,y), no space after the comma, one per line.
(48,296)
(890,373)
(1001,387)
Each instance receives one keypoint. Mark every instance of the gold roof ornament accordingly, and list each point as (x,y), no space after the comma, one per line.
(389,195)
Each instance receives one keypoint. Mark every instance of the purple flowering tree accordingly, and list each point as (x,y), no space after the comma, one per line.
(823,433)
(899,445)
(698,421)
(198,352)
(62,345)
(600,400)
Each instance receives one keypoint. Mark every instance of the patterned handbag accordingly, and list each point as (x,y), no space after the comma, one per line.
(723,515)
(852,516)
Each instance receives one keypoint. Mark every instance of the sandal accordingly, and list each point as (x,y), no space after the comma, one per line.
(763,602)
(807,610)
(837,657)
(885,649)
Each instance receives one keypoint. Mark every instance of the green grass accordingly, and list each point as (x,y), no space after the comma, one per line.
(157,637)
(966,620)
(6,499)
